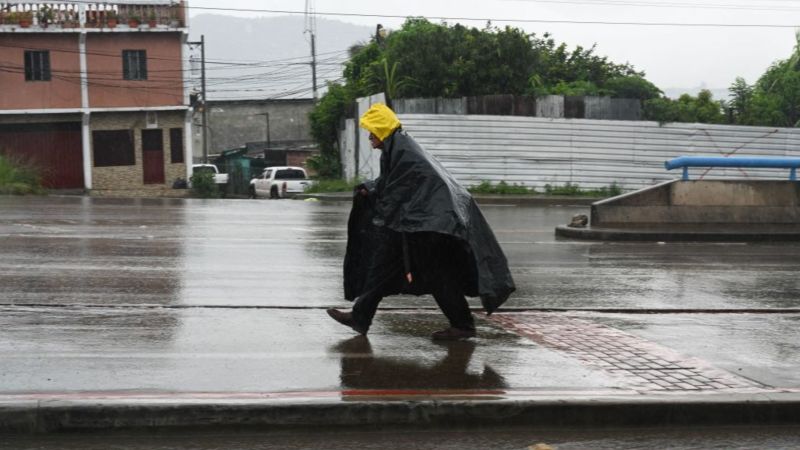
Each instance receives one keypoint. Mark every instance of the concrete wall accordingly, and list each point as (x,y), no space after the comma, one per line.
(128,180)
(723,202)
(232,124)
(551,106)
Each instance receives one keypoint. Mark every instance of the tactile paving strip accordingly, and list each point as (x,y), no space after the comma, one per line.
(642,363)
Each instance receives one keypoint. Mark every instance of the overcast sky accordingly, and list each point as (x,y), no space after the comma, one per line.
(671,56)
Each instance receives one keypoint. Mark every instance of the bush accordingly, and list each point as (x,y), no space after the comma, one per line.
(570,189)
(18,177)
(203,185)
(501,188)
(332,185)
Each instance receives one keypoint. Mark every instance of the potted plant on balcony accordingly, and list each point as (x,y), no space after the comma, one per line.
(134,21)
(24,18)
(111,18)
(152,20)
(45,16)
(70,20)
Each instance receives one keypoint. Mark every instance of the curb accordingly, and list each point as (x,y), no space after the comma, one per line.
(481,199)
(608,234)
(47,416)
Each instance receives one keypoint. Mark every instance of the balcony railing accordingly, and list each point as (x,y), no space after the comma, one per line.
(66,15)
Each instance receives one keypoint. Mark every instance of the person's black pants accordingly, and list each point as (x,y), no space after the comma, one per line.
(445,290)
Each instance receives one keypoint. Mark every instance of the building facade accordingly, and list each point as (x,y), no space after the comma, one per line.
(95,95)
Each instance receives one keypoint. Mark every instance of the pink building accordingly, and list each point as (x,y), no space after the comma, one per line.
(95,95)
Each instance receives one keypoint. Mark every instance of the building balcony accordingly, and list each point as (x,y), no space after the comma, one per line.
(131,15)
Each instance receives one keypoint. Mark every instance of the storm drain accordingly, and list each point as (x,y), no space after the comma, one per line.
(643,364)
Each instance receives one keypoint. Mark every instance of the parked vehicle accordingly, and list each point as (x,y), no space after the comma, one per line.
(219,178)
(277,182)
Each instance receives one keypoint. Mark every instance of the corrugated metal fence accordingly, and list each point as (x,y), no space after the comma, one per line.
(591,153)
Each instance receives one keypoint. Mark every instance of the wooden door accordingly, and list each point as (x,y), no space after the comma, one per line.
(153,156)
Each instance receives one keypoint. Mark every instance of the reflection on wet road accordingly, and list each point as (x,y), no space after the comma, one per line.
(194,295)
(289,253)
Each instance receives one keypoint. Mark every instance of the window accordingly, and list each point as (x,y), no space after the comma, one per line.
(113,148)
(267,174)
(176,144)
(290,174)
(134,64)
(37,65)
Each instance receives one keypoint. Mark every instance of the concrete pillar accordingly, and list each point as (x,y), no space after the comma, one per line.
(86,142)
(188,155)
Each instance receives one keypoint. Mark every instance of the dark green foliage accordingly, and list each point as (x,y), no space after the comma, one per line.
(203,185)
(570,189)
(701,109)
(632,86)
(423,59)
(328,185)
(18,177)
(774,100)
(502,188)
(325,120)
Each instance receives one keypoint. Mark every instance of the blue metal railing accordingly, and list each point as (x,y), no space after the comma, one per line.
(718,161)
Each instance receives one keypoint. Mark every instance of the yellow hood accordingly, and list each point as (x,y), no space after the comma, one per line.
(380,121)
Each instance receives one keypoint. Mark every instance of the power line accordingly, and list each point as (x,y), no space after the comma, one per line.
(479,19)
(668,5)
(495,19)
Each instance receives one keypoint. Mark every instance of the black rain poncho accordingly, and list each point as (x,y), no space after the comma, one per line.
(417,217)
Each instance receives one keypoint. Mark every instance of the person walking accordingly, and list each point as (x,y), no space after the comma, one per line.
(416,230)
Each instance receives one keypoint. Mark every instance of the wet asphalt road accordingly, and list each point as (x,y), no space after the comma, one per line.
(132,297)
(227,295)
(89,251)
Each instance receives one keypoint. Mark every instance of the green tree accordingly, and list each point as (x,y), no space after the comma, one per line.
(741,95)
(774,100)
(689,109)
(325,118)
(632,86)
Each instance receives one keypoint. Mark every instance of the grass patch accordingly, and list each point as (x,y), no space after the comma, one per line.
(331,185)
(569,189)
(501,188)
(18,177)
(574,190)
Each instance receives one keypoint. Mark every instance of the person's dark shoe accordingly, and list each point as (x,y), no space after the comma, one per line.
(453,334)
(346,319)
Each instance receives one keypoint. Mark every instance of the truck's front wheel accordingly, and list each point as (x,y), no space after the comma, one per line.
(251,192)
(273,192)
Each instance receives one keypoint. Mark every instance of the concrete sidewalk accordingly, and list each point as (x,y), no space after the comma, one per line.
(297,368)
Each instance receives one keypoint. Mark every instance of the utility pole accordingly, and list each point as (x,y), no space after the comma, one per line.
(205,97)
(311,25)
(313,66)
(202,44)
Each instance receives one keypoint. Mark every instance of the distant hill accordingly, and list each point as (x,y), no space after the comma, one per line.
(270,55)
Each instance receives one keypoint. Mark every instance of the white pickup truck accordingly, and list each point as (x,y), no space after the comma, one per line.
(277,182)
(219,178)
